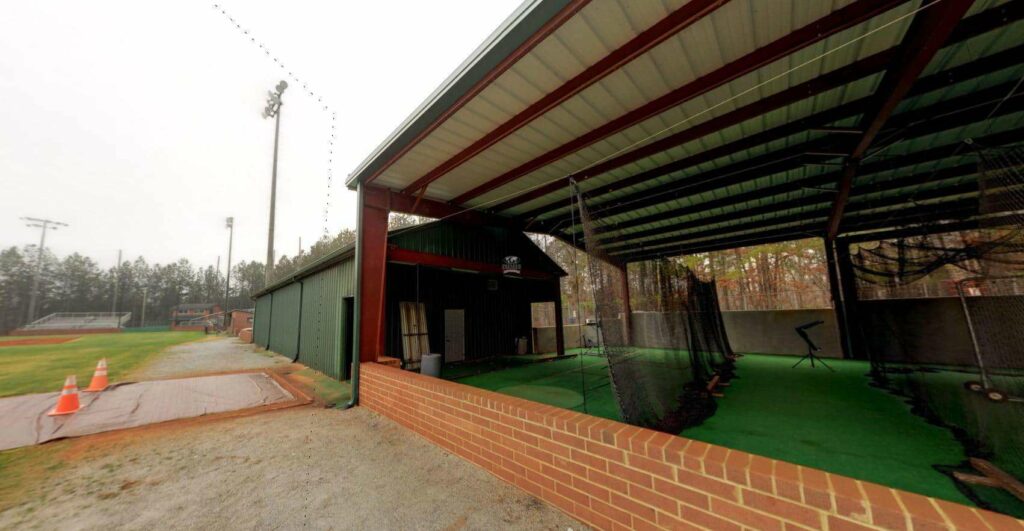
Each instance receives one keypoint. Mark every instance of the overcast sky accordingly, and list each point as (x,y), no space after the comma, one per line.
(138,123)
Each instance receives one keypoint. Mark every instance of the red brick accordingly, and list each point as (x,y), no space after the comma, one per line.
(840,524)
(787,481)
(610,453)
(658,501)
(632,506)
(554,448)
(612,483)
(923,515)
(675,449)
(784,509)
(525,437)
(657,468)
(654,447)
(590,460)
(575,495)
(850,502)
(541,431)
(570,466)
(707,520)
(629,474)
(529,486)
(682,494)
(714,461)
(738,513)
(562,502)
(885,510)
(761,474)
(569,440)
(556,474)
(673,523)
(709,485)
(625,436)
(961,516)
(736,466)
(541,479)
(638,443)
(528,462)
(592,517)
(617,515)
(592,489)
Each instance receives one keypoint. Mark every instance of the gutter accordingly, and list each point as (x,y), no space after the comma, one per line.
(357,307)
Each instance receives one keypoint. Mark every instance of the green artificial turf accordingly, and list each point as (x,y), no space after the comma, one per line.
(831,421)
(42,368)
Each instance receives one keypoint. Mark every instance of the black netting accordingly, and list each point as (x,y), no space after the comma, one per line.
(959,356)
(661,362)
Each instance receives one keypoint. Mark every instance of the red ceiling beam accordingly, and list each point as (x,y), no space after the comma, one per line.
(384,198)
(925,37)
(674,23)
(547,29)
(837,21)
(970,27)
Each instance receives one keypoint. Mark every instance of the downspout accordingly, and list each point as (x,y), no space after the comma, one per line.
(298,335)
(357,307)
(270,320)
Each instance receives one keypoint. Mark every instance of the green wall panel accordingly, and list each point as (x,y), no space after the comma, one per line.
(261,321)
(322,315)
(284,320)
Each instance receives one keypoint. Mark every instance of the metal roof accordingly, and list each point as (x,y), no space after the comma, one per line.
(702,123)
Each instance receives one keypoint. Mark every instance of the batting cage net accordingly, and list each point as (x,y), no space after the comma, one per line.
(973,383)
(664,363)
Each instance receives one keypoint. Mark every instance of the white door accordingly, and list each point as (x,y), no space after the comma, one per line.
(454,335)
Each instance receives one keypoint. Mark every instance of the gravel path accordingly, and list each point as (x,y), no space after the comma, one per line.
(298,468)
(210,355)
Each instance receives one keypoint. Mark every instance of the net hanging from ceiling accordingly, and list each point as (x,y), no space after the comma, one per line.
(974,385)
(662,363)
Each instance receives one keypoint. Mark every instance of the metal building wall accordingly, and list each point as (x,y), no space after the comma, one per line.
(284,320)
(261,321)
(323,335)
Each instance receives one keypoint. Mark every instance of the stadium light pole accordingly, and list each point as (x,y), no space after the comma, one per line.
(273,110)
(230,223)
(43,224)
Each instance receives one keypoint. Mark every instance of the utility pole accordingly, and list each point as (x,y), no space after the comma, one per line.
(231,240)
(145,290)
(43,224)
(273,110)
(117,282)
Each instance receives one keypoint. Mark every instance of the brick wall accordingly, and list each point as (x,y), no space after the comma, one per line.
(614,476)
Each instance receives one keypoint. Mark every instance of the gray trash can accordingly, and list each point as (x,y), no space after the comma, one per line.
(430,365)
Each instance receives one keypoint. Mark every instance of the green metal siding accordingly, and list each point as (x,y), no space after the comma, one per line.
(478,243)
(284,320)
(322,315)
(261,321)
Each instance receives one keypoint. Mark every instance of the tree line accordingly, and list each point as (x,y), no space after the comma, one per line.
(76,283)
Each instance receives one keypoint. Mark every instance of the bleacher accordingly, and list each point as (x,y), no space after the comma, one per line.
(78,321)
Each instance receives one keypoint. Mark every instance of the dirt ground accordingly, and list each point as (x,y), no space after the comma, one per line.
(217,354)
(297,468)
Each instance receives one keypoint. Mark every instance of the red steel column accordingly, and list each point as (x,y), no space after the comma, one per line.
(374,250)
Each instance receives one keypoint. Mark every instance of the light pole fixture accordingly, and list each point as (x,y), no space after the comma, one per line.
(273,110)
(43,224)
(230,225)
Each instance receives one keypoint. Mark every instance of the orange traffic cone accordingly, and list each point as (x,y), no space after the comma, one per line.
(68,401)
(99,378)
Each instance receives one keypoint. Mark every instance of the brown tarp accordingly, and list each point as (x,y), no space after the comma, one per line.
(24,422)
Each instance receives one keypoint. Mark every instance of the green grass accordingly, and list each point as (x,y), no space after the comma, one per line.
(328,390)
(831,421)
(42,368)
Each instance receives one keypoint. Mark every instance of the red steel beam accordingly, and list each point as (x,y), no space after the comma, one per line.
(409,204)
(925,37)
(637,46)
(556,22)
(837,21)
(970,27)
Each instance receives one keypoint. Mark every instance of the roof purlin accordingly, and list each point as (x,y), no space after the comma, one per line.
(836,21)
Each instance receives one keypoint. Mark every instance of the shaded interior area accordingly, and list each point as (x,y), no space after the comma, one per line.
(838,421)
